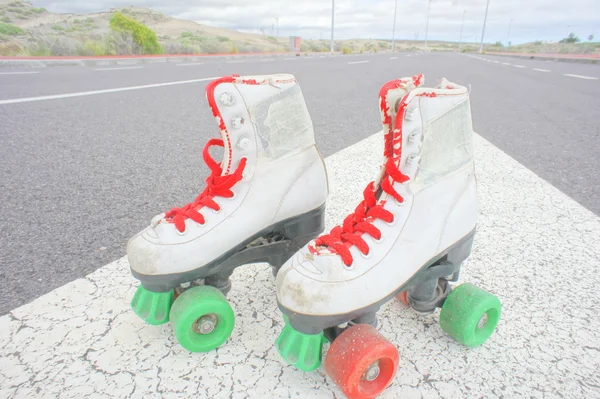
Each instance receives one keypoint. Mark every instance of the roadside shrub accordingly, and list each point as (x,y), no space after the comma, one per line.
(57,27)
(38,10)
(10,49)
(10,30)
(346,50)
(5,19)
(144,37)
(222,38)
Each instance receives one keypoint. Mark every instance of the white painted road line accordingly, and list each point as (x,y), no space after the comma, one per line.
(19,73)
(393,58)
(519,66)
(190,64)
(580,76)
(268,59)
(291,59)
(235,62)
(94,92)
(505,63)
(541,70)
(358,62)
(83,339)
(118,68)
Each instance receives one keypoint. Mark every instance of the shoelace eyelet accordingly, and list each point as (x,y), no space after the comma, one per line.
(376,241)
(392,223)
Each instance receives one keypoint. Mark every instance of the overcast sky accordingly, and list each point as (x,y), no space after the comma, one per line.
(532,19)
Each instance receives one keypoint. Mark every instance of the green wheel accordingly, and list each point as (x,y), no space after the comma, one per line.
(202,319)
(470,315)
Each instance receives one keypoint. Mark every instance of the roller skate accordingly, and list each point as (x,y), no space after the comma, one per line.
(262,203)
(407,238)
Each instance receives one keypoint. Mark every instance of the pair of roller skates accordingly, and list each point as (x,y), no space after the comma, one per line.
(265,202)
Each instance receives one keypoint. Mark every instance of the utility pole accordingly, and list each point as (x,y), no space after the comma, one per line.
(332,23)
(394,28)
(483,30)
(508,36)
(277,21)
(427,26)
(462,25)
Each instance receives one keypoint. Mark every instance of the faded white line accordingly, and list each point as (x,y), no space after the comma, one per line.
(541,70)
(358,62)
(117,69)
(393,58)
(268,59)
(580,76)
(519,66)
(505,63)
(19,73)
(190,64)
(94,92)
(235,62)
(291,59)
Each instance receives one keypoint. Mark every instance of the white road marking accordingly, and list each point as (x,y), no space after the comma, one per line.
(83,338)
(393,58)
(19,73)
(235,62)
(117,69)
(505,63)
(358,62)
(496,62)
(580,76)
(291,59)
(190,64)
(268,59)
(541,70)
(94,92)
(519,66)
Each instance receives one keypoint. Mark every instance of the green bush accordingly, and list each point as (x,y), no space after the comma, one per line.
(186,34)
(16,4)
(15,10)
(222,39)
(346,50)
(57,27)
(5,19)
(38,10)
(10,30)
(142,35)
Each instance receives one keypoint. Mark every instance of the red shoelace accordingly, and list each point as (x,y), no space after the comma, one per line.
(216,186)
(341,238)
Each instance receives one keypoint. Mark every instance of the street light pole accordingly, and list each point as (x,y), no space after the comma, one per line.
(277,21)
(427,26)
(394,28)
(508,36)
(332,22)
(462,25)
(483,30)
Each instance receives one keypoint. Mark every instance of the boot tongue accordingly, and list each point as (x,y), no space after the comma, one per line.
(213,102)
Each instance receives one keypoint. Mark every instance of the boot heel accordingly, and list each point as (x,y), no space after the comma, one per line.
(461,251)
(310,224)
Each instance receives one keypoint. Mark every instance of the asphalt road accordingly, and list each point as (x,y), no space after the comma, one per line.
(82,174)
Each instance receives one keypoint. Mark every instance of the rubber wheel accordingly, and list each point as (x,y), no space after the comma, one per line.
(200,307)
(402,297)
(470,315)
(351,355)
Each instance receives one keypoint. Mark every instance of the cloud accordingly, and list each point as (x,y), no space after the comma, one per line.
(532,19)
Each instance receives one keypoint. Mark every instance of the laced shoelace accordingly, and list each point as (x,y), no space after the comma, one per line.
(341,238)
(216,186)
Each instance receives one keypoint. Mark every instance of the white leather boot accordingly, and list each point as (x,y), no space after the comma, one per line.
(261,203)
(410,234)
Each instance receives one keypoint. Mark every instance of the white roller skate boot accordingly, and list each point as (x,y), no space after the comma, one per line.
(410,233)
(262,203)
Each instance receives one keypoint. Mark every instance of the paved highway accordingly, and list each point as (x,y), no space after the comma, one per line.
(89,154)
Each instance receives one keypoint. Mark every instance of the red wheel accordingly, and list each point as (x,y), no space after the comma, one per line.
(362,362)
(402,297)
